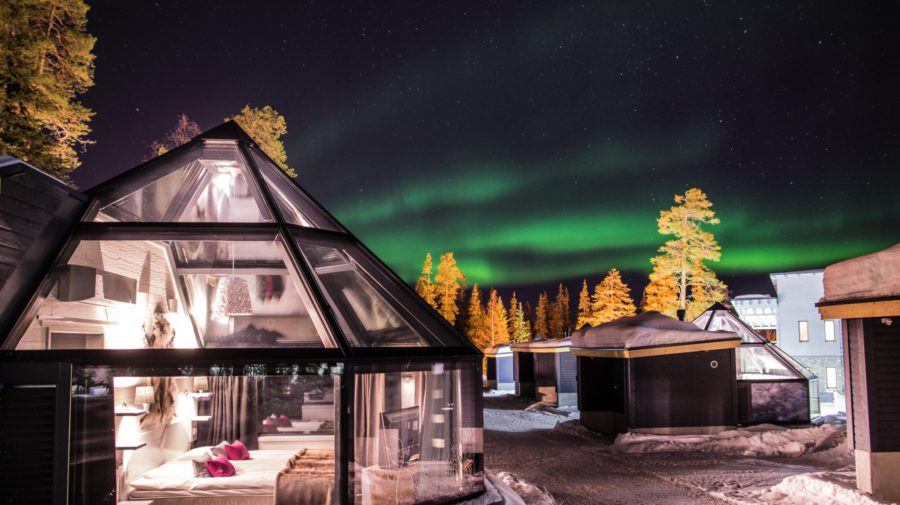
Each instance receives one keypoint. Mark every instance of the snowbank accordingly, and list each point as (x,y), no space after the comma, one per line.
(821,488)
(761,440)
(530,494)
(574,427)
(537,416)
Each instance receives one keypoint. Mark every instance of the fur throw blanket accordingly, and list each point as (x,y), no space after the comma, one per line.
(306,479)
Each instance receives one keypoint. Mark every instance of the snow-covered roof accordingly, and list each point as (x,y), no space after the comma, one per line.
(548,345)
(498,350)
(875,275)
(648,329)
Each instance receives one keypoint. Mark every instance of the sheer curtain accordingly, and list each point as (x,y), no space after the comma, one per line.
(368,406)
(234,410)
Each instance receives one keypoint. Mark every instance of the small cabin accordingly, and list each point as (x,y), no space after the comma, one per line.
(651,373)
(545,370)
(865,293)
(772,387)
(499,368)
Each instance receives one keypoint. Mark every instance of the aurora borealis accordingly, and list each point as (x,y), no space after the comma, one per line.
(538,141)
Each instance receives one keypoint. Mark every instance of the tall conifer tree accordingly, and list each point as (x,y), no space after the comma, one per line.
(182,133)
(497,320)
(47,62)
(542,316)
(559,313)
(476,328)
(520,330)
(584,306)
(448,281)
(684,257)
(424,286)
(612,299)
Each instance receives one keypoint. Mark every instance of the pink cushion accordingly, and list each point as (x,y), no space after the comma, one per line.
(220,467)
(237,451)
(283,421)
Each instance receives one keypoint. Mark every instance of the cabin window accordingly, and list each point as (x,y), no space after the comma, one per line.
(831,378)
(803,328)
(829,330)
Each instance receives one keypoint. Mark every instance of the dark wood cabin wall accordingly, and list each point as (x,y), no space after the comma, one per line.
(883,379)
(601,384)
(683,390)
(544,369)
(859,395)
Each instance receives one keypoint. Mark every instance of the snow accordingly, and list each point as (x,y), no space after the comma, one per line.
(499,350)
(644,330)
(551,451)
(820,488)
(870,276)
(763,440)
(543,344)
(530,494)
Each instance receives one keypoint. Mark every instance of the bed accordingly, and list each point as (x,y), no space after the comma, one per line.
(254,481)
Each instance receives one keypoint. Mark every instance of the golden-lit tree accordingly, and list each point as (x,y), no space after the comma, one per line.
(184,131)
(683,257)
(448,281)
(612,299)
(584,306)
(477,328)
(424,286)
(542,316)
(266,126)
(519,330)
(660,295)
(558,321)
(47,62)
(497,320)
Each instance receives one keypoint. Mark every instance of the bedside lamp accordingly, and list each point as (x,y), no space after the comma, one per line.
(143,395)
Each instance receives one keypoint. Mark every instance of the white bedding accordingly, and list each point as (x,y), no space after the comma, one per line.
(254,476)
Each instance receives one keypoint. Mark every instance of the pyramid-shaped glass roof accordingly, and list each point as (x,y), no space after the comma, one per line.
(758,358)
(211,245)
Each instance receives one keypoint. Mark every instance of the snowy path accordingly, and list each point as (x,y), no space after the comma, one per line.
(576,470)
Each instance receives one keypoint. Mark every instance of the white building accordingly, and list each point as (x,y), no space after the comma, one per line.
(814,342)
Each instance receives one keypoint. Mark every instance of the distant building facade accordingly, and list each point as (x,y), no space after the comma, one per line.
(814,342)
(760,312)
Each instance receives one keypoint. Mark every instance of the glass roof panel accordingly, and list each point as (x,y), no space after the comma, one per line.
(296,207)
(209,184)
(118,294)
(755,362)
(370,315)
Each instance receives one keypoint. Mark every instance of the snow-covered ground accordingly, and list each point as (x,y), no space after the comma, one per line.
(548,451)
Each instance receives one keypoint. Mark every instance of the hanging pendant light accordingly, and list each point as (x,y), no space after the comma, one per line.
(232,295)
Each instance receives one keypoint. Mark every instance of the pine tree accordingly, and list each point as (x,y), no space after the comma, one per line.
(424,287)
(612,299)
(542,316)
(47,63)
(184,131)
(448,281)
(529,318)
(660,295)
(462,321)
(584,306)
(683,257)
(520,330)
(513,307)
(497,320)
(266,126)
(477,329)
(558,322)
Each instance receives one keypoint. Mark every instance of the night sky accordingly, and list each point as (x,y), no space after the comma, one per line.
(537,141)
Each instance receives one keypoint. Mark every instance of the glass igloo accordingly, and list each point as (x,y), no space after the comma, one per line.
(204,302)
(771,385)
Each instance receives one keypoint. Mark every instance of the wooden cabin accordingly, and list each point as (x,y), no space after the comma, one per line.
(864,293)
(545,370)
(499,368)
(651,373)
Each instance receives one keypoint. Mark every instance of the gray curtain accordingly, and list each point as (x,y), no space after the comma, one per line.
(234,407)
